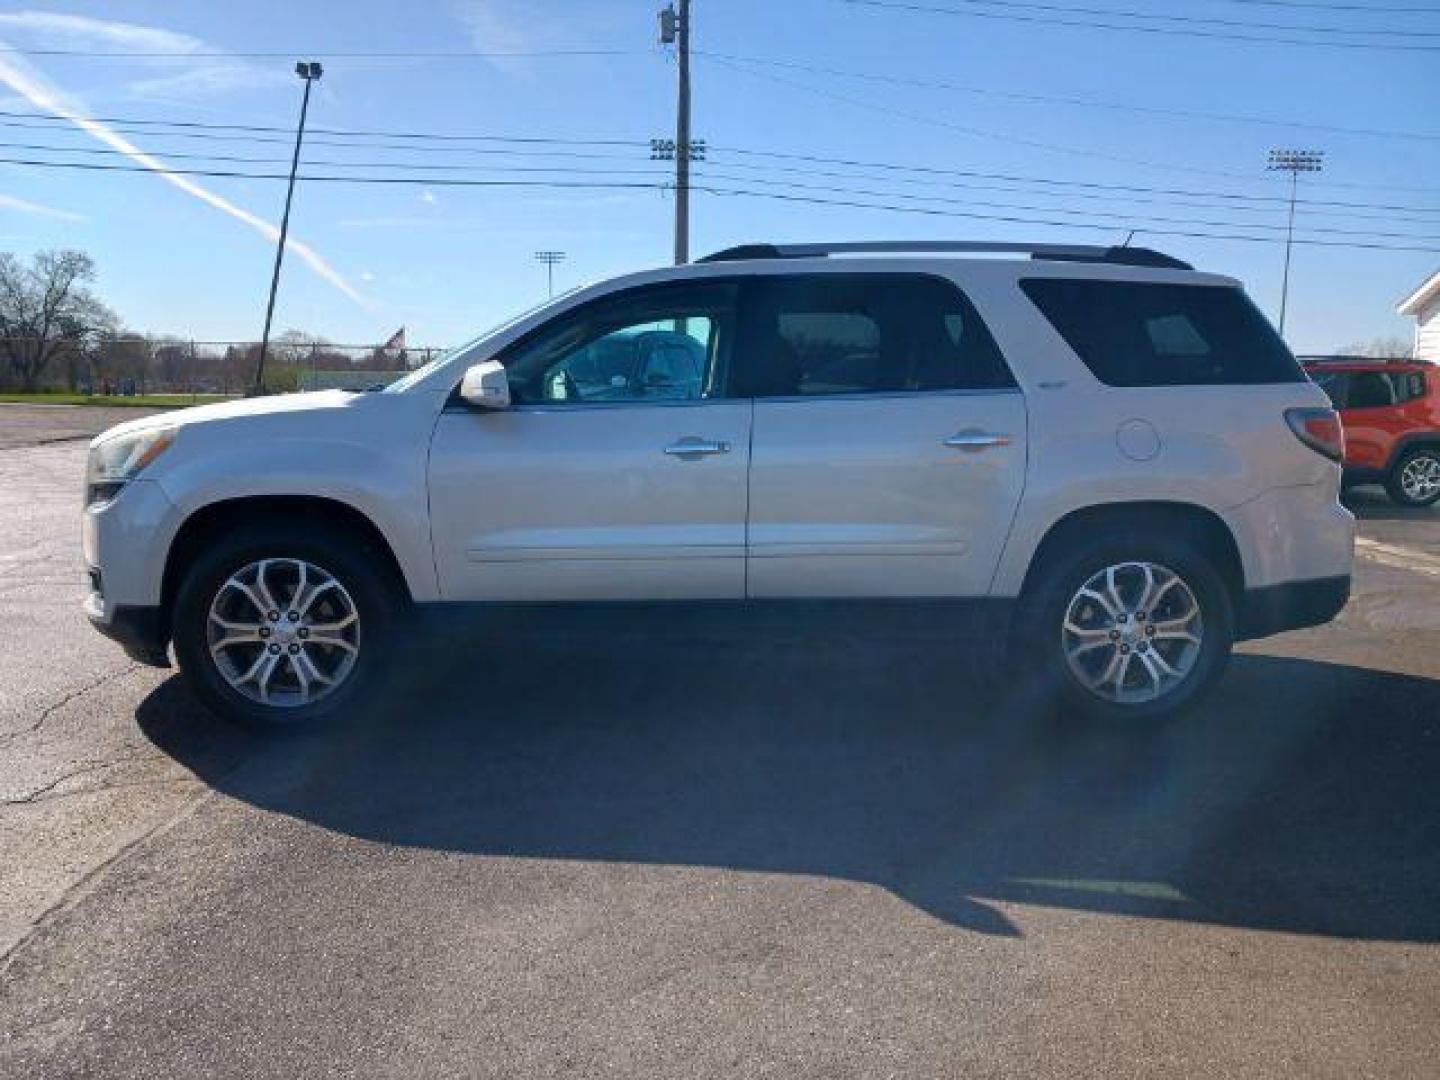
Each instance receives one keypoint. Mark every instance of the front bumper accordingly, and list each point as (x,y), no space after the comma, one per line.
(141,631)
(124,543)
(1291,606)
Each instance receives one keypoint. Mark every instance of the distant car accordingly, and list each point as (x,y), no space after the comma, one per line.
(1391,415)
(1106,459)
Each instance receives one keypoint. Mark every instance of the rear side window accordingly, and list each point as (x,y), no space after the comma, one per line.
(1336,385)
(1382,389)
(1141,334)
(827,334)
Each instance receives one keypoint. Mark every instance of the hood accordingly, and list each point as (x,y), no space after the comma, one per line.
(234,410)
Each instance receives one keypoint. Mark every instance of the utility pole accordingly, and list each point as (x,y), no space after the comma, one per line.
(309,72)
(675,30)
(550,258)
(1294,162)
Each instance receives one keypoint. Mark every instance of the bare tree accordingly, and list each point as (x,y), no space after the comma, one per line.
(46,311)
(1386,348)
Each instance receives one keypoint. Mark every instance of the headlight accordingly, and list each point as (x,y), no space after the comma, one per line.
(115,462)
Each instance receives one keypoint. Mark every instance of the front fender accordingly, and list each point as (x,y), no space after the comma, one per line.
(381,478)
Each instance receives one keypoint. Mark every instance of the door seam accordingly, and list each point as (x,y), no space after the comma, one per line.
(749,467)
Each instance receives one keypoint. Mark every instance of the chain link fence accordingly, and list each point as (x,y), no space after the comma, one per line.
(134,364)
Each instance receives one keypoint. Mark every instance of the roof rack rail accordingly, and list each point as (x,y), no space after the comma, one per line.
(1324,359)
(1124,256)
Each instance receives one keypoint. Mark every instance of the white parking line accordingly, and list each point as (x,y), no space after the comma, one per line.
(1397,556)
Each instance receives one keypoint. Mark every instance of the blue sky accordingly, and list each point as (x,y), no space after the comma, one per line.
(446,261)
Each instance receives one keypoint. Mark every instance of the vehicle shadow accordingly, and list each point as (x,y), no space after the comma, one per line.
(1302,798)
(1370,503)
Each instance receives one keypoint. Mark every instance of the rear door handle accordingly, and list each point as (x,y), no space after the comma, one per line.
(691,447)
(972,442)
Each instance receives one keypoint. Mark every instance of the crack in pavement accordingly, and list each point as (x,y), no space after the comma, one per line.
(52,709)
(40,797)
(77,891)
(40,793)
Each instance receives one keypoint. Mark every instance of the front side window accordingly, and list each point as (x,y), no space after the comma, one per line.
(660,344)
(1132,333)
(827,334)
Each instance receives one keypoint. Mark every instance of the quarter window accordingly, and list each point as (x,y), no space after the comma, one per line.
(824,334)
(1150,334)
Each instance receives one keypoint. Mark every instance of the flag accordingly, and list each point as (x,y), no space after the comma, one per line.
(397,341)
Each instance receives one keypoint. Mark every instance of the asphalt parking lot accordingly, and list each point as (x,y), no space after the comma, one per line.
(755,852)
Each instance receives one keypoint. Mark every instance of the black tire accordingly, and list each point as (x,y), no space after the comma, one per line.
(371,584)
(1395,481)
(1039,641)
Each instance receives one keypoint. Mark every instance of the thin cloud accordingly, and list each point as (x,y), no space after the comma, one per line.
(211,72)
(522,25)
(39,93)
(58,30)
(25,206)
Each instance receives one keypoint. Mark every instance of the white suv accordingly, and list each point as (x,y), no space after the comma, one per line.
(1109,459)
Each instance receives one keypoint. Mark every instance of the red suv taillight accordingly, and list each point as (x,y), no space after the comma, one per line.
(1318,429)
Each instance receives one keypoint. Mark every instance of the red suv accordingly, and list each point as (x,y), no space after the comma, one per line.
(1390,411)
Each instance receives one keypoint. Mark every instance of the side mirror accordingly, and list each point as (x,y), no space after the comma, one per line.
(486,386)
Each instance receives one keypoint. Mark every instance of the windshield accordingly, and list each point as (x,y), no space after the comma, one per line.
(404,383)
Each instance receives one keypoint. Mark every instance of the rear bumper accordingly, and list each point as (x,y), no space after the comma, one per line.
(1291,606)
(1362,474)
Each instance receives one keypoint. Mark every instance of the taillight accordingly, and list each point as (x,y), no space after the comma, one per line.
(1318,429)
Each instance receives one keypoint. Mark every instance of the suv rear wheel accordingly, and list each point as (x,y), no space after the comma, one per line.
(1128,629)
(284,627)
(1415,479)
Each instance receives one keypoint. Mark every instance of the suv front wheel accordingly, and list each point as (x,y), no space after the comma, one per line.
(284,627)
(1128,629)
(1415,479)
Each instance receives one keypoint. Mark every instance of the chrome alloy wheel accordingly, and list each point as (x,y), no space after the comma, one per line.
(283,632)
(1132,632)
(1420,479)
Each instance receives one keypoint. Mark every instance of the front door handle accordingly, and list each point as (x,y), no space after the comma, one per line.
(973,441)
(691,447)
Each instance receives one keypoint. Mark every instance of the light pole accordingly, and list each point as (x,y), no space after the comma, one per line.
(1294,162)
(550,258)
(309,72)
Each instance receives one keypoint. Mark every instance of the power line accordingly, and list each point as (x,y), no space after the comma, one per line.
(329,54)
(1088,103)
(338,132)
(536,146)
(345,143)
(853,204)
(1237,203)
(1051,182)
(238,174)
(965,129)
(768,193)
(352,137)
(1315,5)
(1367,9)
(1188,20)
(768,168)
(244,160)
(1095,24)
(934,121)
(1117,217)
